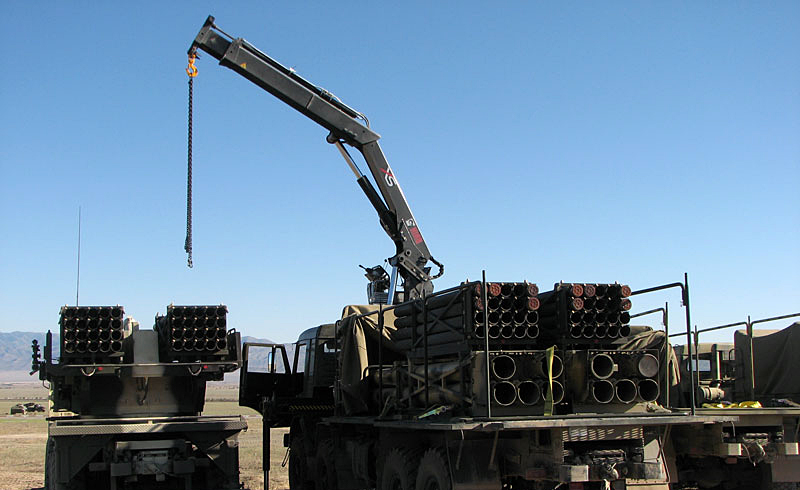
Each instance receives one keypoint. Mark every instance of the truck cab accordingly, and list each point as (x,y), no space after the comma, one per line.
(284,380)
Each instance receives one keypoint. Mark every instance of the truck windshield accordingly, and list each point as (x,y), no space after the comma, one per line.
(300,358)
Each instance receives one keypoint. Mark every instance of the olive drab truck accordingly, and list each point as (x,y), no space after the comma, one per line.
(484,385)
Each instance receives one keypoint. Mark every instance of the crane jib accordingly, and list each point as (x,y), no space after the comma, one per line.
(345,126)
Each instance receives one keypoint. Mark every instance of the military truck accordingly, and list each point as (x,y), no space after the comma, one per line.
(483,385)
(443,392)
(440,421)
(126,403)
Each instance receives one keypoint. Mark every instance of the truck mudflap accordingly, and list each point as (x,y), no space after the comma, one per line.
(785,470)
(472,465)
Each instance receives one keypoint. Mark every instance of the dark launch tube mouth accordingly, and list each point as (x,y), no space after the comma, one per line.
(648,390)
(504,367)
(601,366)
(602,391)
(504,393)
(529,393)
(626,390)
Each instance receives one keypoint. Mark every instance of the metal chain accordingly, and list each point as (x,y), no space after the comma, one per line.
(188,244)
(438,264)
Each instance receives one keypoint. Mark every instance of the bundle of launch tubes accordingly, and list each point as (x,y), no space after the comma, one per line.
(91,333)
(587,311)
(517,314)
(486,351)
(194,331)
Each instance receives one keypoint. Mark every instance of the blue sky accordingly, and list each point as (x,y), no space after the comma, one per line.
(575,141)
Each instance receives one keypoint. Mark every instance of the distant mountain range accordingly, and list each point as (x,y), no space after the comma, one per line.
(15,354)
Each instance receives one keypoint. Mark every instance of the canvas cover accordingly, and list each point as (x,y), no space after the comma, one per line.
(360,337)
(776,362)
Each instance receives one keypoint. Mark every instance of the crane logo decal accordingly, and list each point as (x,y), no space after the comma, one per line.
(388,177)
(415,234)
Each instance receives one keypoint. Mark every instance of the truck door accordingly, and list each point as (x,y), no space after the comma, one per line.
(265,373)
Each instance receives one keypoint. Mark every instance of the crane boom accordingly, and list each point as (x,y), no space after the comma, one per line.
(345,127)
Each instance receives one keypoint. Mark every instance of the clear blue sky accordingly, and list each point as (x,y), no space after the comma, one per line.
(575,141)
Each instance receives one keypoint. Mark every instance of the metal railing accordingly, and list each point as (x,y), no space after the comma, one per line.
(748,324)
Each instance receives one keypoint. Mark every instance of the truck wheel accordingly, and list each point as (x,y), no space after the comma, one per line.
(434,473)
(49,465)
(298,467)
(50,478)
(399,471)
(326,467)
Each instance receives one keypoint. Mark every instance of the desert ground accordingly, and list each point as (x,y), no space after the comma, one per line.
(24,436)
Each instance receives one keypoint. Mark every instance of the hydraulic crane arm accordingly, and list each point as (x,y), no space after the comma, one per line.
(345,127)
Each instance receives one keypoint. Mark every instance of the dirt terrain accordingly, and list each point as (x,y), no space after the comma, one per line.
(24,438)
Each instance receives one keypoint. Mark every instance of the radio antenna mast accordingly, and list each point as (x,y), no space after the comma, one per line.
(78,282)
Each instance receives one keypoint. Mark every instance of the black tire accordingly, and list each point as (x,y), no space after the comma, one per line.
(50,459)
(49,464)
(399,471)
(326,467)
(50,478)
(434,473)
(299,474)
